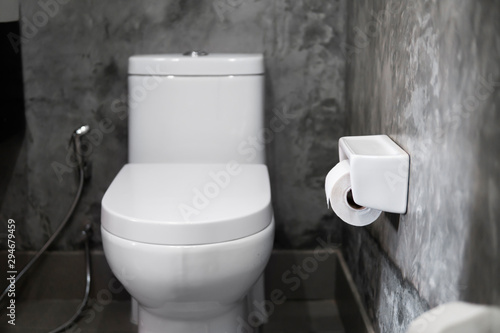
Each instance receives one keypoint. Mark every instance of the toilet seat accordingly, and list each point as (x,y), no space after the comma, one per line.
(187,204)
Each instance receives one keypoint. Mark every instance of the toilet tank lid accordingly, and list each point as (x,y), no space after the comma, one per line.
(210,65)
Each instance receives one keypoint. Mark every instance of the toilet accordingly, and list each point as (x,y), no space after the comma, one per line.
(187,225)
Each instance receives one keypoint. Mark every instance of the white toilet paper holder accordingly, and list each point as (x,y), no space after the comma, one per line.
(379,172)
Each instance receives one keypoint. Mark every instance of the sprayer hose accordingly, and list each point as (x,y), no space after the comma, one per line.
(54,235)
(87,290)
(49,242)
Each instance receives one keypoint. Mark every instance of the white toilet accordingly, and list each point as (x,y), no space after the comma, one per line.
(187,225)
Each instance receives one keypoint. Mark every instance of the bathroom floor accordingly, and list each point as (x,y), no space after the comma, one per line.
(42,316)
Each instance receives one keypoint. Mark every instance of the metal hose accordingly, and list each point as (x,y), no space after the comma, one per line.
(85,299)
(51,239)
(76,141)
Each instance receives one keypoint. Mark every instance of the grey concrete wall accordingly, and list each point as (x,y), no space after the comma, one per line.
(75,69)
(427,73)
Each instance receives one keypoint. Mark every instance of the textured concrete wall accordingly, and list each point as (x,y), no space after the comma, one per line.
(75,68)
(427,73)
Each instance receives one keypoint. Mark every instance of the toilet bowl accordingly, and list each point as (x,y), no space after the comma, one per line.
(189,232)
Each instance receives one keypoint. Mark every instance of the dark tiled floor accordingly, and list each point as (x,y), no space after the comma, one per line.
(42,316)
(311,316)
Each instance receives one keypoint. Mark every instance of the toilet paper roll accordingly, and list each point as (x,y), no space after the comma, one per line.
(339,197)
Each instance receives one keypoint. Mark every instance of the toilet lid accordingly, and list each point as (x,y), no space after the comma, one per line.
(187,204)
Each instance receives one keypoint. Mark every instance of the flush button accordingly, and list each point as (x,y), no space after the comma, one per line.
(195,53)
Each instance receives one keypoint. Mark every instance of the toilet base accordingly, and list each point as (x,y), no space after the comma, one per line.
(232,321)
(224,323)
(197,289)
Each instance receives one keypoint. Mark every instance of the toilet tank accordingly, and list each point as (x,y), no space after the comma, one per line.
(196,108)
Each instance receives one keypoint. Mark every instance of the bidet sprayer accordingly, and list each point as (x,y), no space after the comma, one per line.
(76,139)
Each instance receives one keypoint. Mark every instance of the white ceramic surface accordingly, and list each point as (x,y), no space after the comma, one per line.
(211,64)
(379,172)
(187,204)
(190,120)
(189,287)
(182,119)
(458,317)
